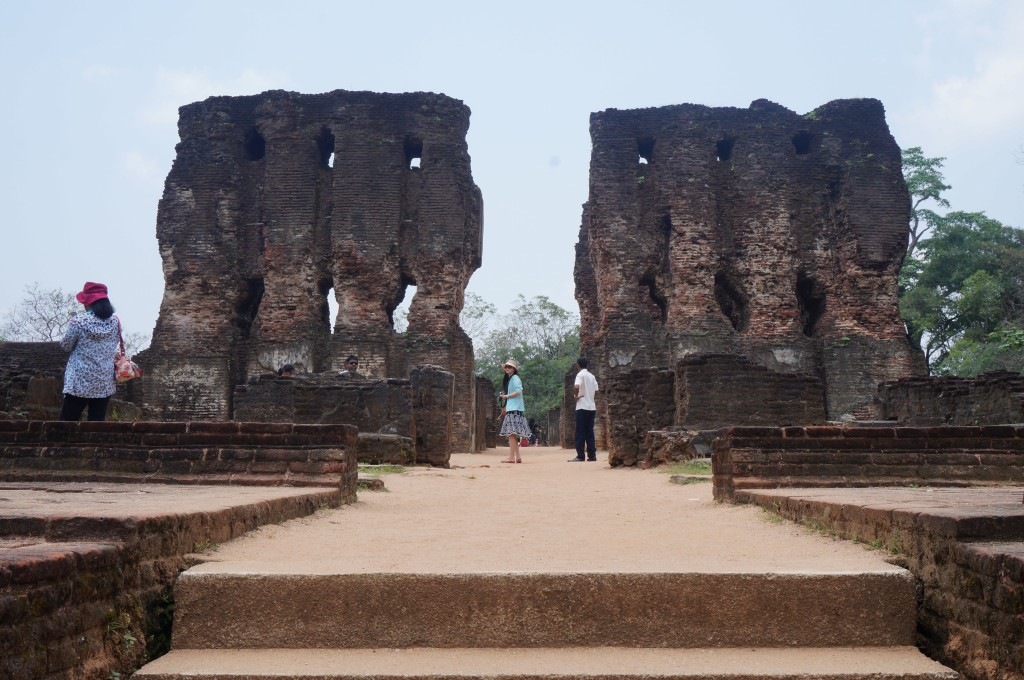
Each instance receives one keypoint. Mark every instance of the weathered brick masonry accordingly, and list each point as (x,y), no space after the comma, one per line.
(758,233)
(418,410)
(963,546)
(91,597)
(834,456)
(988,399)
(276,201)
(198,452)
(81,595)
(31,379)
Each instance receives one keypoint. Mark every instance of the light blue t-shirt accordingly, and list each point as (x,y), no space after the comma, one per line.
(515,403)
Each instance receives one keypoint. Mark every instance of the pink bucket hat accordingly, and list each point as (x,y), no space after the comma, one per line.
(91,292)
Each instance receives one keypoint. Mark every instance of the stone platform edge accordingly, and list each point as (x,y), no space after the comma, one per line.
(190,452)
(969,568)
(94,596)
(858,456)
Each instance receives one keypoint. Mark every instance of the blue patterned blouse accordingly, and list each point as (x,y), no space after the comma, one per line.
(92,342)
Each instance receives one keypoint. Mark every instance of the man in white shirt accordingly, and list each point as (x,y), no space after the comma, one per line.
(585,390)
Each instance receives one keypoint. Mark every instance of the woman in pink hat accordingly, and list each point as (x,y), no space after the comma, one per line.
(93,337)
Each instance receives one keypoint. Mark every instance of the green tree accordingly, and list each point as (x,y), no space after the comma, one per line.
(544,338)
(925,183)
(963,301)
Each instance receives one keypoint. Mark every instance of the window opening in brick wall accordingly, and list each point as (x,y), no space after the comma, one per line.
(329,305)
(325,149)
(802,141)
(249,306)
(810,295)
(398,310)
(723,148)
(731,301)
(255,145)
(645,149)
(659,305)
(413,153)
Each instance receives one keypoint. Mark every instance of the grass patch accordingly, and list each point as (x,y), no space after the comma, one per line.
(691,480)
(377,470)
(690,467)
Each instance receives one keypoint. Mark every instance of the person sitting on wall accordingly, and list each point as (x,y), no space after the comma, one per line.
(286,371)
(351,370)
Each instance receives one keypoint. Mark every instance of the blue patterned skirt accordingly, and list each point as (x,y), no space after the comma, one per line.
(515,423)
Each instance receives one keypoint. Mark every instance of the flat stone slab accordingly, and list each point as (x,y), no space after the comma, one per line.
(547,664)
(962,513)
(33,512)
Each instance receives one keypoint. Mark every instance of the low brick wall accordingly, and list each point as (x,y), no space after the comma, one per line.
(421,408)
(969,565)
(385,449)
(371,405)
(850,456)
(745,392)
(92,597)
(196,452)
(989,399)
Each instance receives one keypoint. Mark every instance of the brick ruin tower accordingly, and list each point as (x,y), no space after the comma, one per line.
(739,266)
(277,201)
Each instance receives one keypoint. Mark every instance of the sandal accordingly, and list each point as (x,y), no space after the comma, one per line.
(509,461)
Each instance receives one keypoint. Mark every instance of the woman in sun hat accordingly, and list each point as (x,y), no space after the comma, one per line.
(514,426)
(92,338)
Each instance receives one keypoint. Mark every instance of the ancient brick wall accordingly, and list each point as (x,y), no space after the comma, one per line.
(756,232)
(276,201)
(256,454)
(633,416)
(843,456)
(554,427)
(969,566)
(32,384)
(485,422)
(714,390)
(371,405)
(989,399)
(420,408)
(433,393)
(94,598)
(31,379)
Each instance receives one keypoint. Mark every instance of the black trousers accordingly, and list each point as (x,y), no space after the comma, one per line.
(72,407)
(585,433)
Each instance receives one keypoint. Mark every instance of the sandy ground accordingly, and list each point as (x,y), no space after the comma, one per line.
(545,514)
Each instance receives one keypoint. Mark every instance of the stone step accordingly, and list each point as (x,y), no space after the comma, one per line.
(217,606)
(597,663)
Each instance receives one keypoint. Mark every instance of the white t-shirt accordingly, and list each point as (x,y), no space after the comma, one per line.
(588,389)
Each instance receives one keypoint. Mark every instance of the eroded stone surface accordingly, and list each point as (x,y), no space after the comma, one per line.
(278,200)
(755,232)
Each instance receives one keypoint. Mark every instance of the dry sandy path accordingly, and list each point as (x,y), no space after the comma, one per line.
(545,515)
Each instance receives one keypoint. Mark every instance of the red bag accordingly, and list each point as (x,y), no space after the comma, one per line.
(124,368)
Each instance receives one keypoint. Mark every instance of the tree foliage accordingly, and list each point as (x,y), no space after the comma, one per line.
(962,282)
(925,183)
(544,338)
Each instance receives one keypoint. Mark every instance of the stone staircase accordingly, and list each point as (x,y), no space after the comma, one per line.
(234,620)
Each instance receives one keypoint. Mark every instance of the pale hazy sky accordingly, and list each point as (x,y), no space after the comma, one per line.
(91,90)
